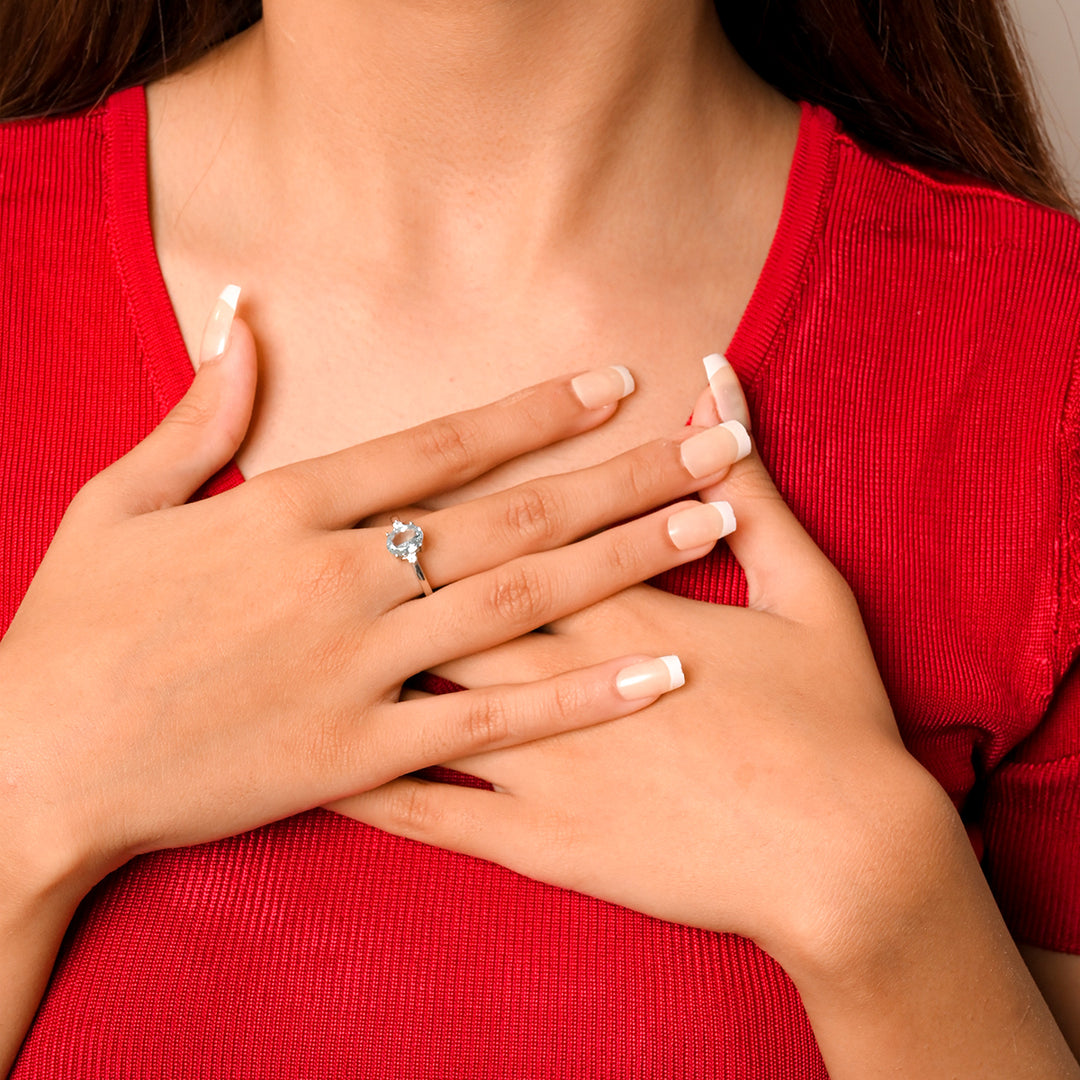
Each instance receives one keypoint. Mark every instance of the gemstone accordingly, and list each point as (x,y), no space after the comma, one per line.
(404,540)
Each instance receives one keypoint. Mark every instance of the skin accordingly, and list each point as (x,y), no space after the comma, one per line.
(115,737)
(736,809)
(485,181)
(484,205)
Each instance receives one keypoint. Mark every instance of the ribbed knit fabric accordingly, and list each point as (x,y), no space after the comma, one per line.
(910,357)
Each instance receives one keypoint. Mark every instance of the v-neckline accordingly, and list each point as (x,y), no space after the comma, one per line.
(809,185)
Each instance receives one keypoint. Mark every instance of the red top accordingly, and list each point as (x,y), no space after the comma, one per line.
(910,357)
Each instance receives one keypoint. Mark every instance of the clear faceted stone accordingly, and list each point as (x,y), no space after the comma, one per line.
(404,540)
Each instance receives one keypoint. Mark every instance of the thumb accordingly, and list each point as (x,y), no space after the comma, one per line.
(203,430)
(786,572)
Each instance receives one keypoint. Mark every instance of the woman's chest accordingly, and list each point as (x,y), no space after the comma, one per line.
(348,368)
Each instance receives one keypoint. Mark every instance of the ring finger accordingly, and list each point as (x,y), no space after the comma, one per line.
(548,513)
(491,607)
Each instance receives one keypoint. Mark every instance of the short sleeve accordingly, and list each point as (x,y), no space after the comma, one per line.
(1031,828)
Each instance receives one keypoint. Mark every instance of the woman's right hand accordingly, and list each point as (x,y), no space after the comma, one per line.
(179,672)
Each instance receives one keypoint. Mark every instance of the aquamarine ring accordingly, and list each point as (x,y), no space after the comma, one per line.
(404,541)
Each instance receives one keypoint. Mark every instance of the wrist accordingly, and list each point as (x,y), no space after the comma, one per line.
(887,893)
(46,856)
(925,980)
(42,869)
(41,886)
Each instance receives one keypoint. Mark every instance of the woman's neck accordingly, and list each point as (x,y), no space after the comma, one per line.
(470,142)
(433,203)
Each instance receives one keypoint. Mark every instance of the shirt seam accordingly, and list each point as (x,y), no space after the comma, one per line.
(1067,647)
(951,183)
(112,230)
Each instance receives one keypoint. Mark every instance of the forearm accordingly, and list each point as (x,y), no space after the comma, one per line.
(943,993)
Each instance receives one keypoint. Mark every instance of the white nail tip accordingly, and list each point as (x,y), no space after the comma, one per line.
(727,514)
(714,362)
(675,671)
(629,386)
(230,295)
(742,437)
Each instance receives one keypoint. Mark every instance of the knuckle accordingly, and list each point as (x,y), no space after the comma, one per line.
(282,493)
(568,700)
(324,574)
(746,482)
(326,748)
(191,411)
(409,811)
(533,513)
(487,722)
(332,657)
(644,474)
(114,485)
(448,443)
(520,595)
(624,557)
(537,409)
(105,485)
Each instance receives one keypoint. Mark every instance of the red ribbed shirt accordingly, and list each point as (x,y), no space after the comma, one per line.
(910,356)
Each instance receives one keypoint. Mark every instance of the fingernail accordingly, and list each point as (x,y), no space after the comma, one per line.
(715,448)
(651,678)
(219,325)
(701,525)
(604,386)
(726,391)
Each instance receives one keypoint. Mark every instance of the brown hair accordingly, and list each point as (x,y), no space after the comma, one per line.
(939,83)
(935,82)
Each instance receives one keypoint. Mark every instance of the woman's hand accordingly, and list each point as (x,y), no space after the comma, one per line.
(761,798)
(771,797)
(182,672)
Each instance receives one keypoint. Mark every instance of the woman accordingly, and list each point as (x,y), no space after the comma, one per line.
(766,882)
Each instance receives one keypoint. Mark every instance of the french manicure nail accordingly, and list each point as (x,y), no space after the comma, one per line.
(219,325)
(700,525)
(603,386)
(715,448)
(726,391)
(651,678)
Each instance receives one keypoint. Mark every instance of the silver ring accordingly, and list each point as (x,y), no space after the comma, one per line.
(404,541)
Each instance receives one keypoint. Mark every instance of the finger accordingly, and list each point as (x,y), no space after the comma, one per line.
(532,656)
(641,613)
(384,520)
(468,820)
(726,390)
(786,572)
(447,726)
(705,412)
(337,490)
(552,511)
(489,608)
(202,431)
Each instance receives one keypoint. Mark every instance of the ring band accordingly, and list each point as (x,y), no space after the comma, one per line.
(404,541)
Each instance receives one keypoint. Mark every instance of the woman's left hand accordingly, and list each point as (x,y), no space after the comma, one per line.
(771,796)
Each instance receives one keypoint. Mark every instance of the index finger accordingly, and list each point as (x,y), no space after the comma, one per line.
(786,572)
(337,490)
